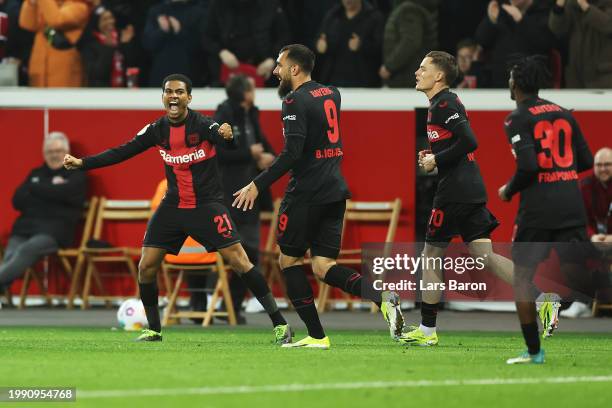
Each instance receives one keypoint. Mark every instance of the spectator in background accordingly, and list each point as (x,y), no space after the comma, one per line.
(305,17)
(349,45)
(517,27)
(242,164)
(106,52)
(588,24)
(134,13)
(171,35)
(19,41)
(55,61)
(471,73)
(411,32)
(458,19)
(597,195)
(244,36)
(50,201)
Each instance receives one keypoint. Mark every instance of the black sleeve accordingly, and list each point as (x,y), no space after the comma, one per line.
(450,114)
(210,131)
(71,192)
(225,153)
(466,143)
(523,149)
(22,194)
(294,129)
(282,164)
(584,157)
(143,140)
(486,32)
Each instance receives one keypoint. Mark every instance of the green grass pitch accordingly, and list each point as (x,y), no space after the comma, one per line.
(221,367)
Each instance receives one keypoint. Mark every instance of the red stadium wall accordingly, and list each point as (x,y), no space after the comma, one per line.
(379,158)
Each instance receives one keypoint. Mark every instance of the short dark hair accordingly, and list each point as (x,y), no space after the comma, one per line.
(466,43)
(178,77)
(446,63)
(301,55)
(530,73)
(236,86)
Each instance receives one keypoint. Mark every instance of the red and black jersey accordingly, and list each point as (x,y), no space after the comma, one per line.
(459,178)
(313,147)
(550,151)
(188,152)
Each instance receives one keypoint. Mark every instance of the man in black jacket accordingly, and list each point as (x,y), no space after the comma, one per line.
(349,45)
(244,32)
(50,201)
(239,166)
(513,27)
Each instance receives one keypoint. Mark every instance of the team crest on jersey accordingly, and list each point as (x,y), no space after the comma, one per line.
(193,139)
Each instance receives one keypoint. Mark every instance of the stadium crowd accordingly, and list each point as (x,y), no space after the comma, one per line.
(359,43)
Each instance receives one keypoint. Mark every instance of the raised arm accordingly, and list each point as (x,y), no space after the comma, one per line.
(143,140)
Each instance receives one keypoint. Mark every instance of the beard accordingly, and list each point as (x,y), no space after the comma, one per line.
(284,87)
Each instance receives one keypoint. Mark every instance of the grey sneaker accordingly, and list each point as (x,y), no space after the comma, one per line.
(392,312)
(282,334)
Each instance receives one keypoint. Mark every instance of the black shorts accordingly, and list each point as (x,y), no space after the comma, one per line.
(471,221)
(209,224)
(532,245)
(318,227)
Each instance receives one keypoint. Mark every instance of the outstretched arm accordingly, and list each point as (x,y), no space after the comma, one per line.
(143,140)
(245,197)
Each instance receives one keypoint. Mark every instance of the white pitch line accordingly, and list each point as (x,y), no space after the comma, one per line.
(248,389)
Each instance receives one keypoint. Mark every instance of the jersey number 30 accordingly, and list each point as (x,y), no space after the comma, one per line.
(333,134)
(549,136)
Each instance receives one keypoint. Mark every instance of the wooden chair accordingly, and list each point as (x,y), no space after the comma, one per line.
(72,261)
(606,293)
(268,256)
(192,259)
(113,211)
(361,212)
(7,290)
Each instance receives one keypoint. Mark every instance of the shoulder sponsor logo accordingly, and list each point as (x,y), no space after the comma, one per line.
(443,104)
(290,117)
(289,101)
(143,130)
(515,139)
(185,158)
(453,116)
(508,122)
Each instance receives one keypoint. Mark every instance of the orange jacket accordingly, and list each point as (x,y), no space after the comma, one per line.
(50,67)
(191,252)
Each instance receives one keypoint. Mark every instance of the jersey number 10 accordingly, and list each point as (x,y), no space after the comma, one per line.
(549,136)
(333,134)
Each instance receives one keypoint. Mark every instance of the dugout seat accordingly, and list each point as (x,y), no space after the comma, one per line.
(110,211)
(361,213)
(194,259)
(72,261)
(8,296)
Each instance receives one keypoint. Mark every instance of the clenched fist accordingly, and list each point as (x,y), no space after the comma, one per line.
(225,130)
(72,163)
